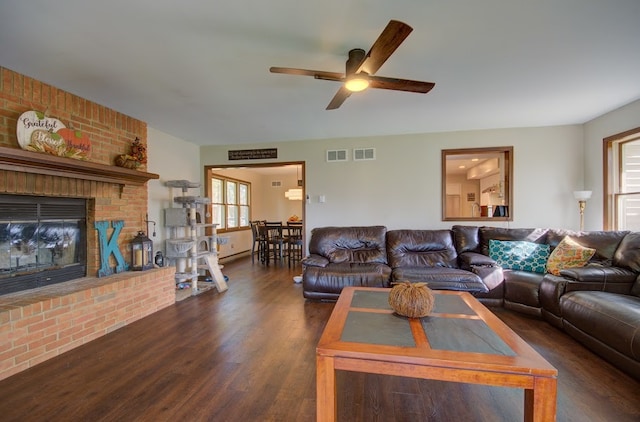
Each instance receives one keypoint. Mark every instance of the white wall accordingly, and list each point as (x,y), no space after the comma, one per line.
(172,159)
(617,121)
(401,188)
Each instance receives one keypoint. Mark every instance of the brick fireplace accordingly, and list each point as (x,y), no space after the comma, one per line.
(36,325)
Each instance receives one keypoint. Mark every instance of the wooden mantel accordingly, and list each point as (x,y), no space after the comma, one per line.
(15,159)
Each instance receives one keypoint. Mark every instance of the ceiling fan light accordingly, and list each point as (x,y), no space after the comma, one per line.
(357,83)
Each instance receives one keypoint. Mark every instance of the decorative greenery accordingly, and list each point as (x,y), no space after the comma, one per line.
(139,151)
(136,158)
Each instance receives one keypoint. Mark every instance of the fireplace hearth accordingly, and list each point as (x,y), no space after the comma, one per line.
(42,241)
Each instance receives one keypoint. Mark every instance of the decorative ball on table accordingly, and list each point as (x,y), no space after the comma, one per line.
(413,300)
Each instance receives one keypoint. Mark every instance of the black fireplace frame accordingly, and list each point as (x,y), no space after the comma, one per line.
(45,209)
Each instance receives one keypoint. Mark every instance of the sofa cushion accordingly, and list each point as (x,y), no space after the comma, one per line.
(604,242)
(314,260)
(519,255)
(522,287)
(499,233)
(440,278)
(428,248)
(350,244)
(611,318)
(568,254)
(327,282)
(628,253)
(466,238)
(635,289)
(470,260)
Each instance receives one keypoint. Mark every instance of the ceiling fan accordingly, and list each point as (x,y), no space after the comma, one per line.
(361,67)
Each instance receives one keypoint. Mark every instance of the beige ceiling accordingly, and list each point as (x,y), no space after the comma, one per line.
(199,70)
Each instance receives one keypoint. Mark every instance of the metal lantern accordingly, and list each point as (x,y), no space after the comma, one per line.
(141,252)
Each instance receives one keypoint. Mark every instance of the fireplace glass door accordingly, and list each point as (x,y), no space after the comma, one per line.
(42,241)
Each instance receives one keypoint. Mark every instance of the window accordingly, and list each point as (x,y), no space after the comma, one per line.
(230,200)
(622,181)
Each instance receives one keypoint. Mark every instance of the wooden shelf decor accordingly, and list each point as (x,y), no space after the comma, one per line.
(15,159)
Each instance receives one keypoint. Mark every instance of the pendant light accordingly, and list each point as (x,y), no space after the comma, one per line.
(295,194)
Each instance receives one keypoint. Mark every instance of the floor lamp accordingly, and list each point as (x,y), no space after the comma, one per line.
(582,196)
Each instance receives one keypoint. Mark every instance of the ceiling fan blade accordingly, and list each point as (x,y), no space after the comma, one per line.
(328,76)
(318,74)
(407,85)
(342,94)
(389,40)
(368,64)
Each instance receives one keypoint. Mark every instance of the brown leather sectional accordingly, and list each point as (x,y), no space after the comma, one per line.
(598,304)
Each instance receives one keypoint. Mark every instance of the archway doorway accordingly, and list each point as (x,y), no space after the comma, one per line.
(276,192)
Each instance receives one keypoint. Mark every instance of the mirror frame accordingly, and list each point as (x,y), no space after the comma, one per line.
(508,180)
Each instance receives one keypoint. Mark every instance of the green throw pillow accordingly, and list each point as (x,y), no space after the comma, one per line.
(519,255)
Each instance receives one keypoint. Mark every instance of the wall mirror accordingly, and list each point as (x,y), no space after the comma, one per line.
(477,184)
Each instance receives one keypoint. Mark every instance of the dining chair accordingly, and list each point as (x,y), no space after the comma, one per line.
(272,242)
(294,243)
(255,233)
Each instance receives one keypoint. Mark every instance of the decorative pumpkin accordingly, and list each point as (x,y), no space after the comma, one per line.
(413,300)
(32,120)
(127,161)
(77,142)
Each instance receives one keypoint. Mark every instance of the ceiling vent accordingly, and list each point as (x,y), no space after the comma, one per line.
(360,154)
(276,183)
(337,155)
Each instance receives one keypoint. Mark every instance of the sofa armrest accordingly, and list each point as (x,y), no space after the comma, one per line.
(599,274)
(314,260)
(593,278)
(492,277)
(469,260)
(551,288)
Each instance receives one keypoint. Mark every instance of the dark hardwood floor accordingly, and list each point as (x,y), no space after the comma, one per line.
(249,355)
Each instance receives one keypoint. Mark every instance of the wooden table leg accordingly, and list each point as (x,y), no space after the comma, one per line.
(326,405)
(540,401)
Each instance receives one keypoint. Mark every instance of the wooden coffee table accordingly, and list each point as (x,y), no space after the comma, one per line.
(461,341)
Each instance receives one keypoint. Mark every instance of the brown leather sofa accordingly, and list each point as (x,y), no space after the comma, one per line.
(429,256)
(598,304)
(371,256)
(520,290)
(344,256)
(607,323)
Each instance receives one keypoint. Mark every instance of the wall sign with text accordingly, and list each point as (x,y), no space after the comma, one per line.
(39,133)
(253,154)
